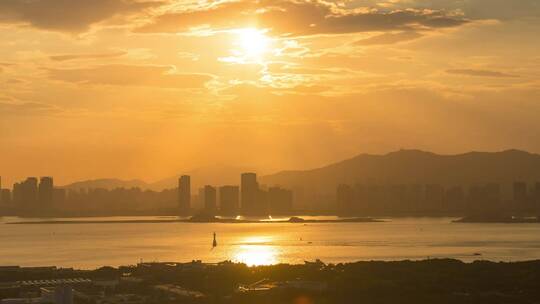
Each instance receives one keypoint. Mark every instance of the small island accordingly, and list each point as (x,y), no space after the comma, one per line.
(498,219)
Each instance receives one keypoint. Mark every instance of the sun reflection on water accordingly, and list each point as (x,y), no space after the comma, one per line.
(255,251)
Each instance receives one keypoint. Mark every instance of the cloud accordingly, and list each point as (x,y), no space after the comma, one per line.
(478,9)
(480,73)
(66,57)
(389,38)
(302,70)
(4,65)
(131,75)
(67,15)
(27,108)
(299,18)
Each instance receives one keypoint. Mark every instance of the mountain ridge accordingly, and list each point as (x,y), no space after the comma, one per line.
(401,166)
(415,167)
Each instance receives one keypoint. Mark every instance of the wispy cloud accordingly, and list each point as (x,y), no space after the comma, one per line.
(389,38)
(480,73)
(26,108)
(66,57)
(131,75)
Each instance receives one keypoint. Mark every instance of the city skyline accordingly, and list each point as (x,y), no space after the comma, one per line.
(39,197)
(33,197)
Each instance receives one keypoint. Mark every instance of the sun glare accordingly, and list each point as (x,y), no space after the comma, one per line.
(253,42)
(256,255)
(256,251)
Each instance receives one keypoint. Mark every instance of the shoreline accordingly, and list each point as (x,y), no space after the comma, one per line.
(292,220)
(497,220)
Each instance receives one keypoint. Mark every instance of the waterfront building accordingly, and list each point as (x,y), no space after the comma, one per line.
(184,194)
(229,199)
(210,198)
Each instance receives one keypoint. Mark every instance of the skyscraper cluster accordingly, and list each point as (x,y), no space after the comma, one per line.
(31,195)
(248,199)
(436,199)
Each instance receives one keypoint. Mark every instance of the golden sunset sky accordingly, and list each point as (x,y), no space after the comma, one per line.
(147,89)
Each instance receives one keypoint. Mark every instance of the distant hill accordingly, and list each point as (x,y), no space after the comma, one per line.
(415,167)
(107,183)
(216,175)
(400,167)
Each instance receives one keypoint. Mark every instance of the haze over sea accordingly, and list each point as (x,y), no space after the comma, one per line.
(91,245)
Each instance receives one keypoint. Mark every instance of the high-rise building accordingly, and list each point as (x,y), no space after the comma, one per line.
(454,200)
(249,193)
(344,198)
(536,195)
(3,201)
(360,198)
(229,200)
(25,194)
(434,197)
(59,197)
(210,199)
(5,197)
(493,196)
(520,195)
(45,193)
(200,199)
(184,194)
(279,201)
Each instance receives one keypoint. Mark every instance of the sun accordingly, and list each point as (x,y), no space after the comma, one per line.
(253,42)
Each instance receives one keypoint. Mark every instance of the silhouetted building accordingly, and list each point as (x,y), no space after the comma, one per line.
(250,193)
(59,197)
(210,199)
(415,198)
(395,198)
(434,198)
(484,199)
(520,196)
(454,200)
(5,197)
(279,200)
(536,196)
(493,196)
(25,194)
(345,198)
(200,198)
(360,199)
(184,194)
(229,200)
(261,207)
(45,193)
